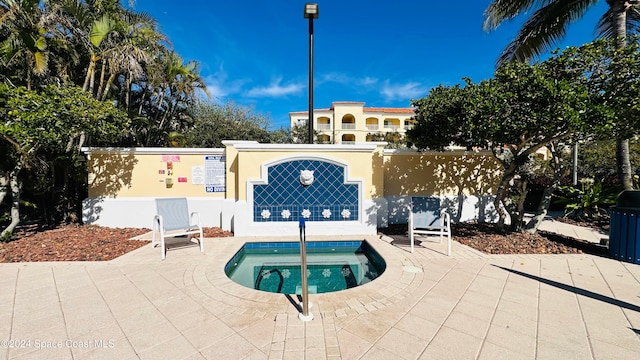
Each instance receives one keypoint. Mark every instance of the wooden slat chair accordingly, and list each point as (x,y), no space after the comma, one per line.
(426,218)
(173,220)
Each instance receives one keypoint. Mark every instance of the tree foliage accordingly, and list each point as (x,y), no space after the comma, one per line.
(212,123)
(547,25)
(38,132)
(110,51)
(394,140)
(594,158)
(548,21)
(300,134)
(96,72)
(520,110)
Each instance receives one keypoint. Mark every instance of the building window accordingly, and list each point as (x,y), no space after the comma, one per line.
(348,122)
(324,139)
(372,124)
(408,124)
(324,123)
(392,124)
(348,139)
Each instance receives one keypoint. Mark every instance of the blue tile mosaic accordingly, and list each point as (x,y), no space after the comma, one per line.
(284,198)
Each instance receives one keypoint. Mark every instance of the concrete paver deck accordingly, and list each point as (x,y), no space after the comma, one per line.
(424,306)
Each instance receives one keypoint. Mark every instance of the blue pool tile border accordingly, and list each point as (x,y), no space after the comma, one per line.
(290,245)
(296,244)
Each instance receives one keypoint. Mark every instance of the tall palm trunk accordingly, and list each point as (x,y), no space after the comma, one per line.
(103,70)
(91,70)
(623,160)
(107,86)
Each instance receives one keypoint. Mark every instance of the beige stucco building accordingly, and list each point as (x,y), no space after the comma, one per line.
(349,122)
(257,189)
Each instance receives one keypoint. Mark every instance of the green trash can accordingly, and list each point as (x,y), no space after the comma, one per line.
(624,231)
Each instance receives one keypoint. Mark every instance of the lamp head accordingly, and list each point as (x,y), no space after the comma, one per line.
(311,11)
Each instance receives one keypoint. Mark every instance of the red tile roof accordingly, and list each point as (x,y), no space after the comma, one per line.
(408,111)
(390,110)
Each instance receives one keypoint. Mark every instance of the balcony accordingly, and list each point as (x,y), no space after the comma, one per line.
(323,127)
(392,127)
(373,127)
(347,126)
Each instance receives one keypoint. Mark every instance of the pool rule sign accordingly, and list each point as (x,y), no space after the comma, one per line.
(214,173)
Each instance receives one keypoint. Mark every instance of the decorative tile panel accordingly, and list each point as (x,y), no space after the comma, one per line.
(284,198)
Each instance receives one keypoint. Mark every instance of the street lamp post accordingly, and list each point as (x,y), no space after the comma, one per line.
(311,12)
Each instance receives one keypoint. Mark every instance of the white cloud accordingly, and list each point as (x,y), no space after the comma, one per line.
(407,91)
(345,79)
(334,77)
(217,91)
(219,87)
(368,81)
(276,89)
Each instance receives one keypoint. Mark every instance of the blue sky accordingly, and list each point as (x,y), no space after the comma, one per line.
(383,53)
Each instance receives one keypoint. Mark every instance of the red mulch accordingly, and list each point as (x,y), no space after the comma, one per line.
(485,238)
(76,243)
(94,243)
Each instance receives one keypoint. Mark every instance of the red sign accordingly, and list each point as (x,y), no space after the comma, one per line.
(167,158)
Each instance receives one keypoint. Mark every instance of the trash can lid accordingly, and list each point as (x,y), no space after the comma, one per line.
(629,199)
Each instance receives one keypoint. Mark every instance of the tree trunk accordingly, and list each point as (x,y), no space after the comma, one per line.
(15,201)
(623,161)
(501,194)
(543,209)
(103,70)
(144,95)
(4,185)
(543,206)
(85,85)
(107,86)
(517,217)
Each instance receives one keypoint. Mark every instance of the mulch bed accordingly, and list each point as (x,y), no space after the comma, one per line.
(95,243)
(485,238)
(601,224)
(76,243)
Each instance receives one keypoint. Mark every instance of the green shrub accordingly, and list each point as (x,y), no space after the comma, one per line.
(589,200)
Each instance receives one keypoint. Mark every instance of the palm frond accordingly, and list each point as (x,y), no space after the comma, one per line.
(40,63)
(633,20)
(101,29)
(79,12)
(544,29)
(606,25)
(500,10)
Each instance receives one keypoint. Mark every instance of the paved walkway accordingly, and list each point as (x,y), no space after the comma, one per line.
(424,306)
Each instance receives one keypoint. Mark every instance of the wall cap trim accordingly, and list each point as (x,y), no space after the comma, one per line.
(151,150)
(358,147)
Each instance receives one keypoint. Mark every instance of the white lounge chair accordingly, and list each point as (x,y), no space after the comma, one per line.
(426,218)
(173,220)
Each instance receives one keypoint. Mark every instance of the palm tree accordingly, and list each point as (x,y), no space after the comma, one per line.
(547,26)
(137,44)
(27,32)
(176,84)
